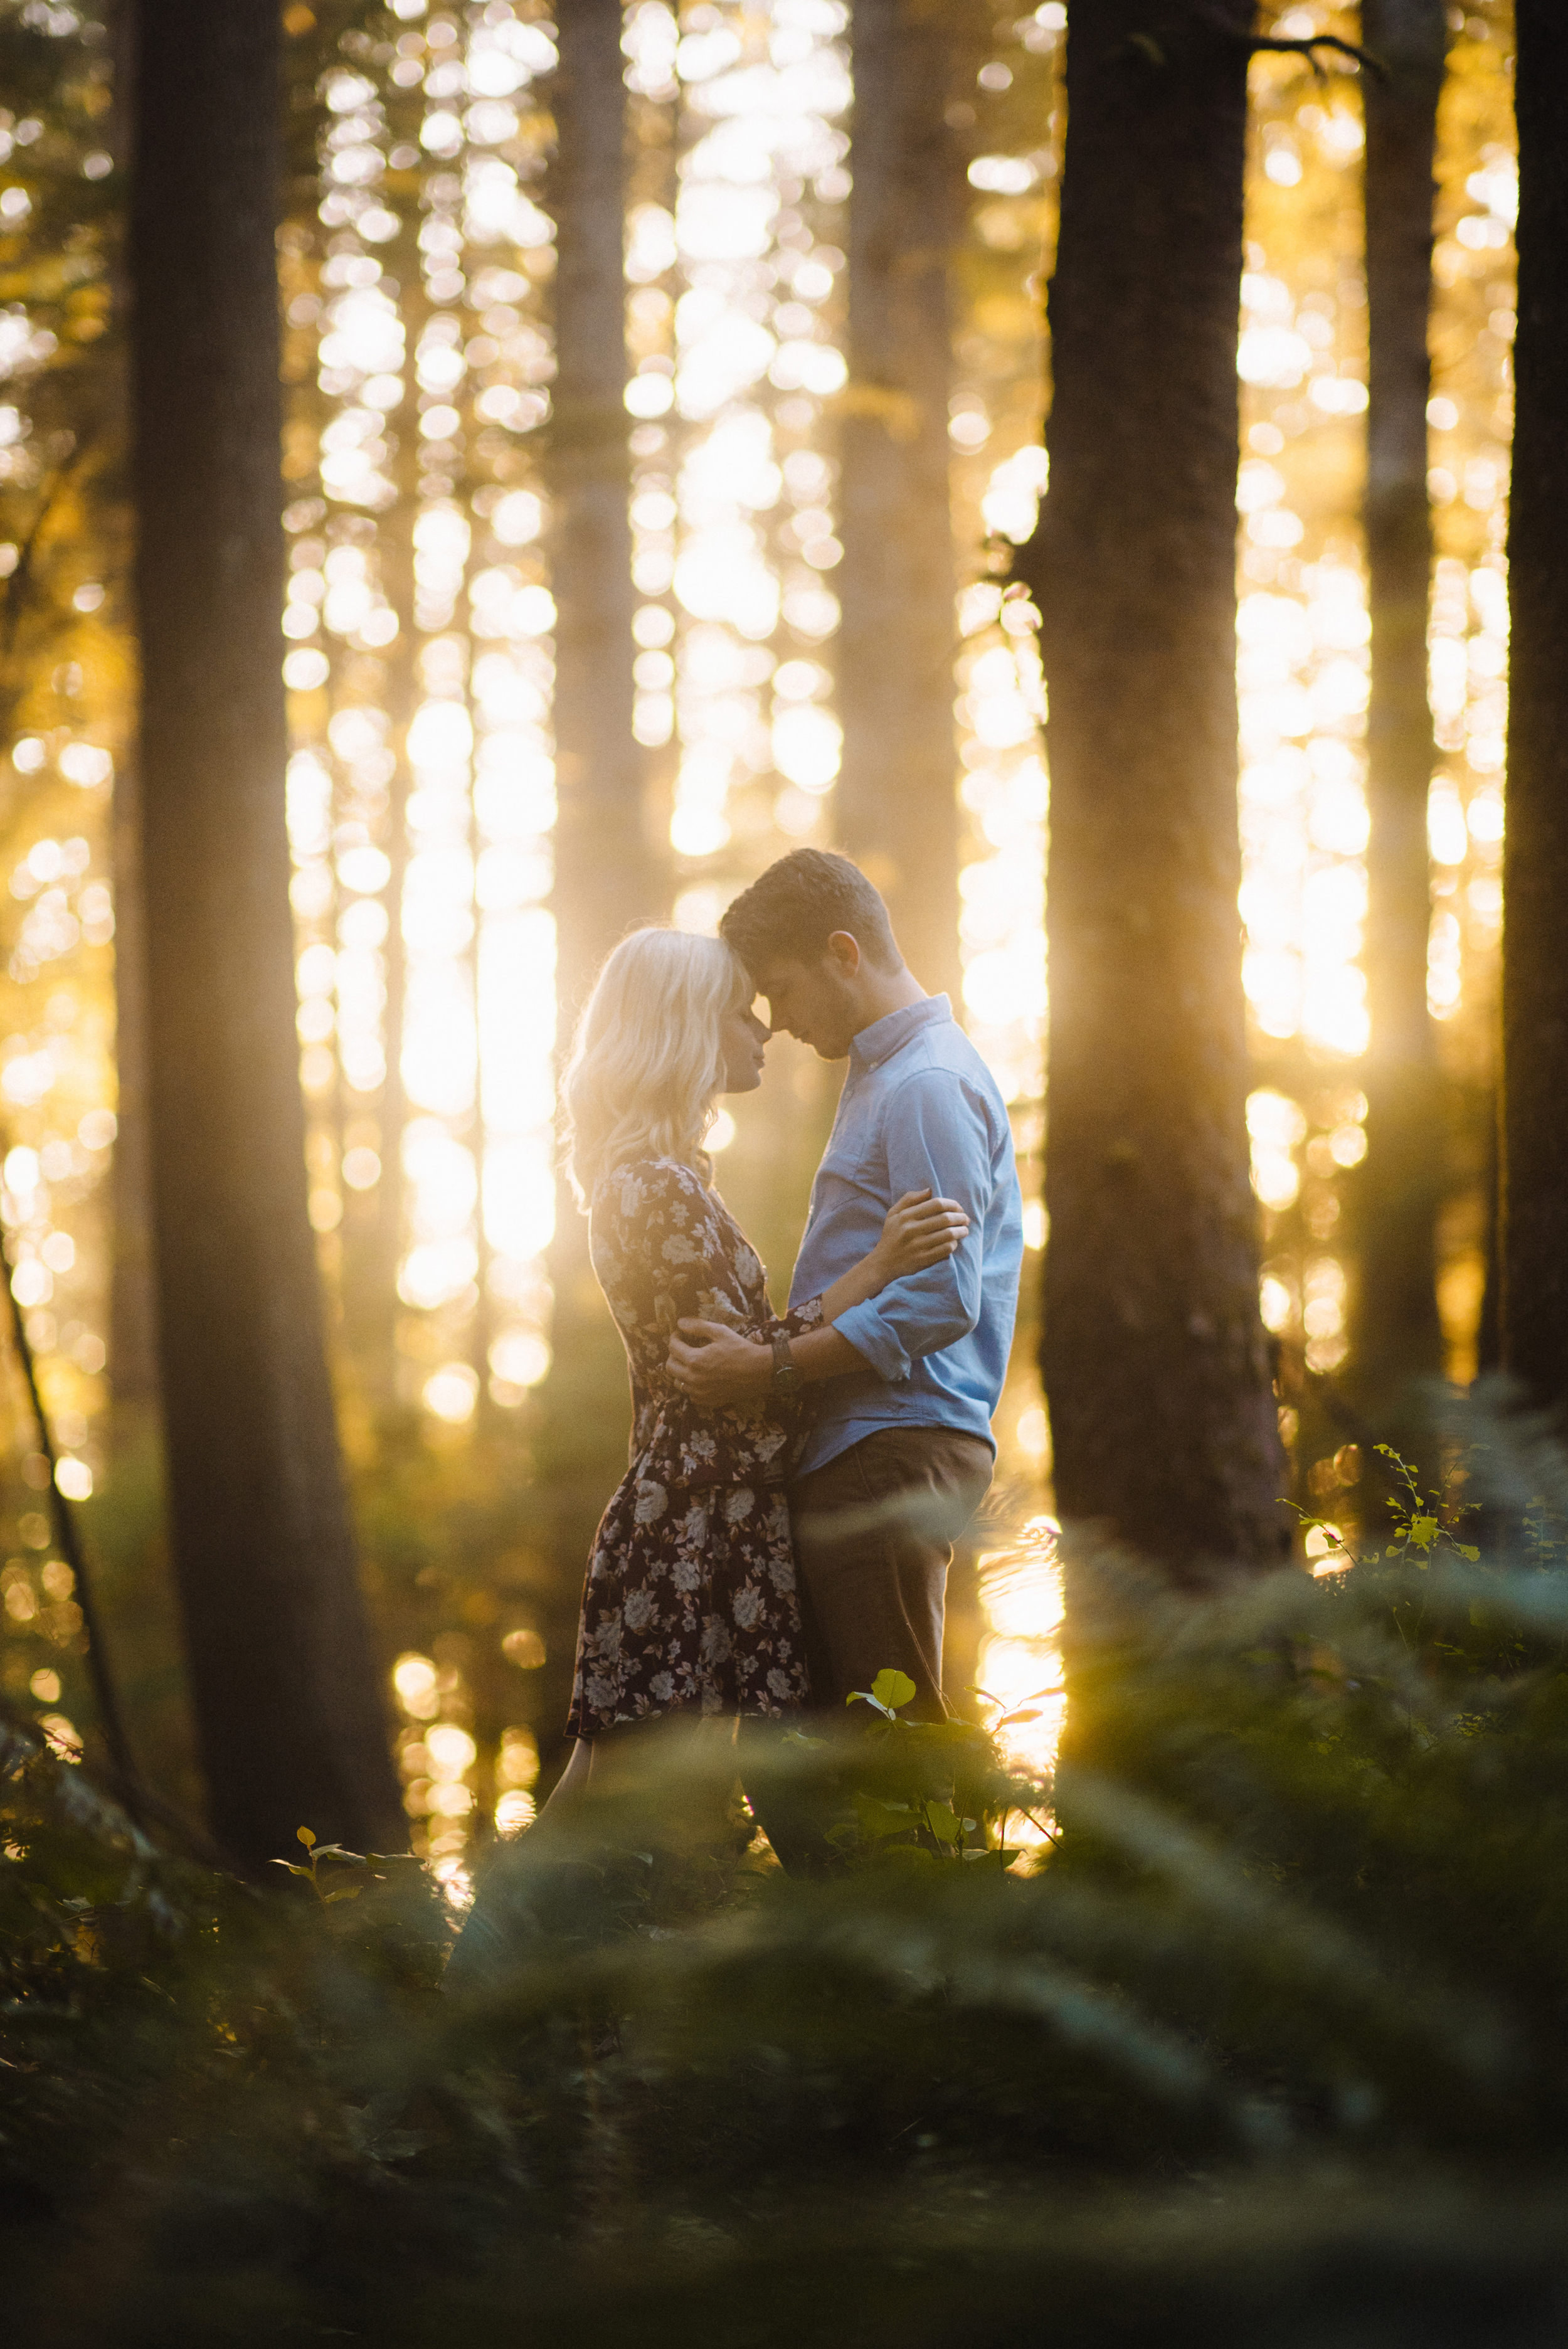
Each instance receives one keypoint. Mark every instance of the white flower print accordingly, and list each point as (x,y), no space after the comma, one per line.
(690,1599)
(716,1643)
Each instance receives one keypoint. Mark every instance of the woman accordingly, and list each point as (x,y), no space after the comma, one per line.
(690,1603)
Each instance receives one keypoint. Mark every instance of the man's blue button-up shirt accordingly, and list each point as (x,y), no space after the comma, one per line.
(920,1109)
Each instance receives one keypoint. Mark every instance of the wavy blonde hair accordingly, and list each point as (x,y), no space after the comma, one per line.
(647,1061)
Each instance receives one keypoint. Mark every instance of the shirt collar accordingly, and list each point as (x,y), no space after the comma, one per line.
(888,1035)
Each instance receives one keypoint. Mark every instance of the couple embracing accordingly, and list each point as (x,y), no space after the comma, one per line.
(784,1530)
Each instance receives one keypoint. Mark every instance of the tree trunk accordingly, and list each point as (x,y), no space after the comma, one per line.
(896,800)
(609,873)
(132,1309)
(132,1334)
(1153,1355)
(605,878)
(1534,1185)
(1396,1333)
(290,1718)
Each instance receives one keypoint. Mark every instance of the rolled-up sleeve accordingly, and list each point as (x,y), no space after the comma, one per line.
(937,1138)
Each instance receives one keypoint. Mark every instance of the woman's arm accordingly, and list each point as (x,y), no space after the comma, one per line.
(918,1231)
(714,1365)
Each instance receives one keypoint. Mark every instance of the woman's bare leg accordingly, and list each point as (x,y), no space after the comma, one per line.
(564,1799)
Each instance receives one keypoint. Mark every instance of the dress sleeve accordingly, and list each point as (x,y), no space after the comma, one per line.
(807,1315)
(660,1225)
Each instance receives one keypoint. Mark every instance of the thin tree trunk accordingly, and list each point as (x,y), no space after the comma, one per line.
(1534,1149)
(132,1307)
(290,1718)
(1397,1335)
(1153,1355)
(896,800)
(132,1313)
(605,878)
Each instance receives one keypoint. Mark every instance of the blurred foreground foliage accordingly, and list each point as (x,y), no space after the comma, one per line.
(1269,2041)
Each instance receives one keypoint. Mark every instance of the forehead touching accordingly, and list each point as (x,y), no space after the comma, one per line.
(784,973)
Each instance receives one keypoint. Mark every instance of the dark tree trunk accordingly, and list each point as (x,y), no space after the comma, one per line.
(291,1722)
(132,1309)
(896,800)
(1395,1332)
(605,878)
(1153,1355)
(132,1332)
(1534,1185)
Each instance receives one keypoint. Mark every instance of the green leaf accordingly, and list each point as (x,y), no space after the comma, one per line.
(343,1893)
(305,1836)
(878,1818)
(891,1689)
(943,1821)
(1423,1532)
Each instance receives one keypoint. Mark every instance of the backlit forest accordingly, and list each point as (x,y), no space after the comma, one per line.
(698,432)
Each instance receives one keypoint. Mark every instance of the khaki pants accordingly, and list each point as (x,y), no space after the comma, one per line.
(874,1530)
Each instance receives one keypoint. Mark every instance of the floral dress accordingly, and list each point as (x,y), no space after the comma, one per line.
(690,1602)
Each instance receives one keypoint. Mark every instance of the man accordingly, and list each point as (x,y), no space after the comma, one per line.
(901,1451)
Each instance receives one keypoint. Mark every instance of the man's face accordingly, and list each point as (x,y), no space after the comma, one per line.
(815,1001)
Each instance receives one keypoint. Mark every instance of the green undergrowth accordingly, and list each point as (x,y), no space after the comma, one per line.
(1266,2040)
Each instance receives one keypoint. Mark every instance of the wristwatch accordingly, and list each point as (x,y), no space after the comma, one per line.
(785,1377)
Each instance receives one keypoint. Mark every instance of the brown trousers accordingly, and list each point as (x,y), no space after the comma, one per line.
(874,1530)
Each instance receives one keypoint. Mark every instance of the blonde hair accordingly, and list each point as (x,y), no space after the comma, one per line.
(647,1061)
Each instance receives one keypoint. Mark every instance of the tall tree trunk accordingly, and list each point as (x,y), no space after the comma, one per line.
(291,1724)
(132,1334)
(605,877)
(609,873)
(1534,1185)
(132,1309)
(896,800)
(1153,1355)
(1397,1335)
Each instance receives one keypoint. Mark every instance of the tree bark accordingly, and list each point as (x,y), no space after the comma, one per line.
(1396,1337)
(132,1307)
(290,1717)
(1534,1129)
(896,800)
(610,874)
(132,1313)
(606,879)
(1154,1360)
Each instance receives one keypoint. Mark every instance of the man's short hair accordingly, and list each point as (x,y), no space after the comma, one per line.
(789,914)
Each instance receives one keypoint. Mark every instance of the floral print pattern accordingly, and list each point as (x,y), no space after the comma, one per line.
(690,1602)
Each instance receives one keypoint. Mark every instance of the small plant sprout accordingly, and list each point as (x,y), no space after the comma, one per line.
(890,1689)
(314,1854)
(1424,1524)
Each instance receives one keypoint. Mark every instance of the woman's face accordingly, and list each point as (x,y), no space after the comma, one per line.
(742,1041)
